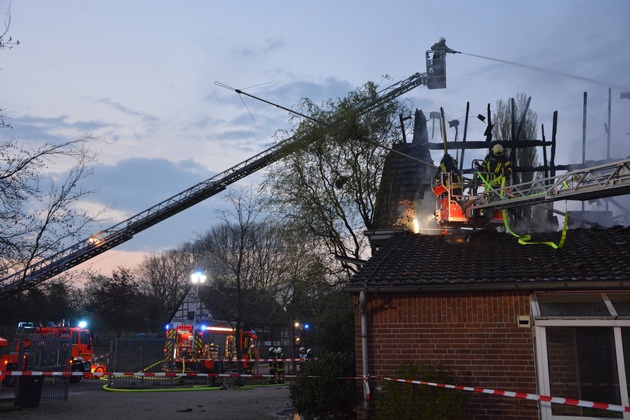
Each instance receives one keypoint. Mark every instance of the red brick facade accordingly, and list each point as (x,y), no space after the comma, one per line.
(475,335)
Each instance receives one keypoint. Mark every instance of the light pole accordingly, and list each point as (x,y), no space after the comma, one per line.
(196,278)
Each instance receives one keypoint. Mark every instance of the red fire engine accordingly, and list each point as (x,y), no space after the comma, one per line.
(208,349)
(81,339)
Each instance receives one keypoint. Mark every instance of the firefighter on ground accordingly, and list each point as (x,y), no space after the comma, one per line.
(272,365)
(449,174)
(302,356)
(251,357)
(497,167)
(279,366)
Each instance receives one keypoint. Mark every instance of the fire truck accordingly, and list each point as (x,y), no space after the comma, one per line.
(209,349)
(82,354)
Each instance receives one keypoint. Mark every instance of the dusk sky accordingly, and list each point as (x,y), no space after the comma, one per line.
(141,75)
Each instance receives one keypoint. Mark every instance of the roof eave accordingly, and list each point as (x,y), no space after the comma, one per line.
(551,285)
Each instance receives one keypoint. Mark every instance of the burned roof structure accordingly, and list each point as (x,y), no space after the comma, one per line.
(405,185)
(490,260)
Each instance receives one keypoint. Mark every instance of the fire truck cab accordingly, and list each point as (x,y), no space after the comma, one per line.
(82,355)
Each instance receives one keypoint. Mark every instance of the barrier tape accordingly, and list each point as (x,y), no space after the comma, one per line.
(162,375)
(234,360)
(522,395)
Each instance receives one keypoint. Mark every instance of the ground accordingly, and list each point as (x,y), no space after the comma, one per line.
(88,399)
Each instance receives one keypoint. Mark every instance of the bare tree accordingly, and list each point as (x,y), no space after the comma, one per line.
(164,279)
(243,253)
(4,42)
(513,119)
(39,210)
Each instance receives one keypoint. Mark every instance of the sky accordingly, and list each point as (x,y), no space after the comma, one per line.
(141,74)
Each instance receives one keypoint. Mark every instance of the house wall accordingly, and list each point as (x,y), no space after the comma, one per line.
(474,335)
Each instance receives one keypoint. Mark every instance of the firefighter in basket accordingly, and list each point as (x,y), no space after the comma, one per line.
(449,175)
(496,168)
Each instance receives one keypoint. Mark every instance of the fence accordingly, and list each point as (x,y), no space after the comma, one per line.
(46,354)
(146,355)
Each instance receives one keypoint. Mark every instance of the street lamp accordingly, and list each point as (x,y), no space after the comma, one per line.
(197,278)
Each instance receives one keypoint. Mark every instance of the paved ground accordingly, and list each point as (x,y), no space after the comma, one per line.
(88,400)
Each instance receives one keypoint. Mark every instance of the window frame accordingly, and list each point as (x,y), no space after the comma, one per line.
(613,320)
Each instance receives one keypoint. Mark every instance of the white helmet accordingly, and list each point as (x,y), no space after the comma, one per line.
(279,350)
(272,350)
(302,349)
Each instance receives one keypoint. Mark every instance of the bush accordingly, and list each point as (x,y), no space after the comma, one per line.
(410,401)
(319,393)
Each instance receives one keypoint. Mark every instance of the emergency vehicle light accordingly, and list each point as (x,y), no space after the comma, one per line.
(82,324)
(226,329)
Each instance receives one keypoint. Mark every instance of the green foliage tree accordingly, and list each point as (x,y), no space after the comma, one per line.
(411,401)
(319,393)
(327,191)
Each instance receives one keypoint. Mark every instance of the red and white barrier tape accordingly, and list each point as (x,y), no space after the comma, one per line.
(160,375)
(522,395)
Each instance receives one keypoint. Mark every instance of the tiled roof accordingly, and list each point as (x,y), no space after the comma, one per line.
(489,259)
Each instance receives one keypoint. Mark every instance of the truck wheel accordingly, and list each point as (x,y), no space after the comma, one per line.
(9,381)
(76,379)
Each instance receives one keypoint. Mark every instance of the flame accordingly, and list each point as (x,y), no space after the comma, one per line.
(416,225)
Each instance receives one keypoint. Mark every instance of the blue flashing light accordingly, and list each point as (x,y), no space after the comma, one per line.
(204,327)
(82,324)
(168,326)
(306,326)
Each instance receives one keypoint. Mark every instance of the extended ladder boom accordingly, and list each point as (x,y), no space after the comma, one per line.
(606,180)
(104,240)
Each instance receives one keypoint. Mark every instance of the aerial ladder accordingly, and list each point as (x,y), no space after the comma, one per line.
(483,205)
(98,243)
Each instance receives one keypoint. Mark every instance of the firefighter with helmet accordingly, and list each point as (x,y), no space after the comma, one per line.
(272,365)
(302,357)
(279,366)
(449,175)
(439,51)
(497,167)
(251,357)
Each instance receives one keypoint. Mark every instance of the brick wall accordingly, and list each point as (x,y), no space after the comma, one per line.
(476,335)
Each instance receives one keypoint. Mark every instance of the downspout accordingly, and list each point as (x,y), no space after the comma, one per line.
(364,350)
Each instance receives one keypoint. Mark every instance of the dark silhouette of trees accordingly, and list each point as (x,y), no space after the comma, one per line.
(116,302)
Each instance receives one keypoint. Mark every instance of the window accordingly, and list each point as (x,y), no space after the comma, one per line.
(582,344)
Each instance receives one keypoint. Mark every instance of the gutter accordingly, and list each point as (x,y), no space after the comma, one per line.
(364,350)
(565,285)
